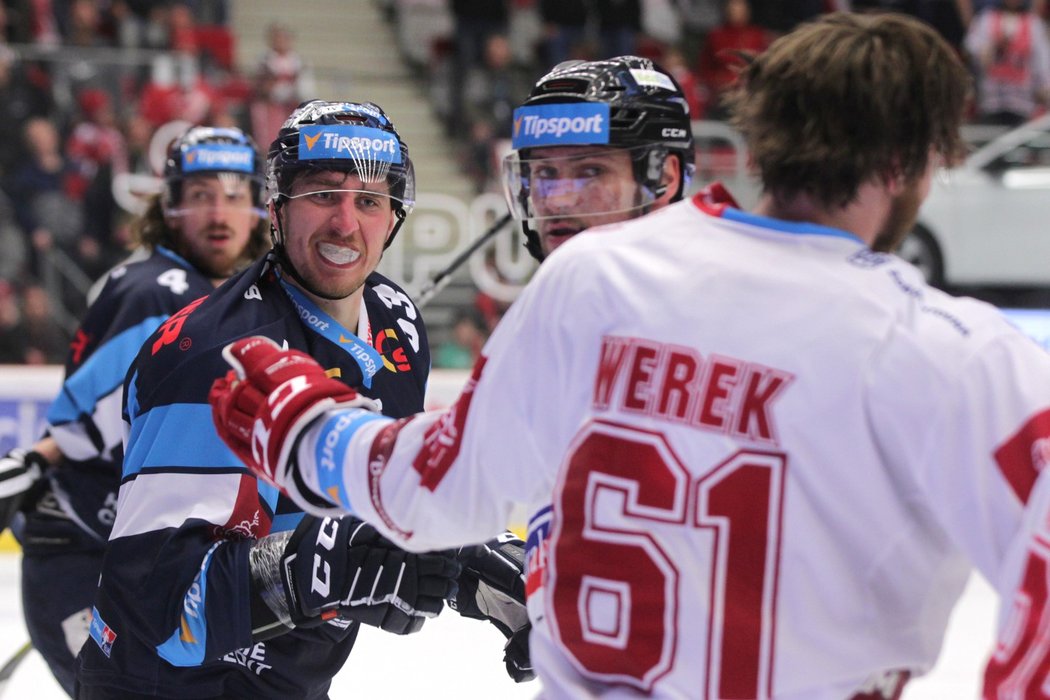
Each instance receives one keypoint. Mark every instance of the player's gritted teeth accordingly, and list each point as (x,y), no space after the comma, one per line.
(337,254)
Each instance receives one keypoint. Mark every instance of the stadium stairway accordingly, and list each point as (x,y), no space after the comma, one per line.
(353,51)
(354,54)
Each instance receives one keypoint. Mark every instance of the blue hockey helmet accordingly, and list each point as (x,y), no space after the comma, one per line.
(206,150)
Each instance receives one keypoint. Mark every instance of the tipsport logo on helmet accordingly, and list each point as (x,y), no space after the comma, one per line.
(347,142)
(218,156)
(577,124)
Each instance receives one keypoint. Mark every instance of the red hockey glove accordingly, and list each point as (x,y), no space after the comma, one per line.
(263,404)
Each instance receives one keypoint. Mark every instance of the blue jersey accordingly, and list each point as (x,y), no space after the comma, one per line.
(172,613)
(85,417)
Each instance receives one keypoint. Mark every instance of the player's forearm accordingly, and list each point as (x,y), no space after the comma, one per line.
(387,473)
(48,449)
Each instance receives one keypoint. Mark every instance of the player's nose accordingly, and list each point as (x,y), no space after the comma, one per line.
(345,218)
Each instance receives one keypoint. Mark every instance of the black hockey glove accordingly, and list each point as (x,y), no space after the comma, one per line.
(343,568)
(19,470)
(492,587)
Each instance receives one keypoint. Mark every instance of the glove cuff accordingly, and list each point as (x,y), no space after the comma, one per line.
(302,485)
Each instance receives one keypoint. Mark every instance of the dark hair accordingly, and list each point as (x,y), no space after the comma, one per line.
(848,98)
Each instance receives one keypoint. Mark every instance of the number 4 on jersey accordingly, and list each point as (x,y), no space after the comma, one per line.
(626,505)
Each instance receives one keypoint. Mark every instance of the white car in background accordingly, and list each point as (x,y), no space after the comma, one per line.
(986,222)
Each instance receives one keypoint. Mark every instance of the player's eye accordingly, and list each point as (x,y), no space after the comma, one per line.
(368,202)
(589,171)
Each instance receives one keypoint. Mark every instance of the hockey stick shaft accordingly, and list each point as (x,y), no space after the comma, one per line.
(442,278)
(12,664)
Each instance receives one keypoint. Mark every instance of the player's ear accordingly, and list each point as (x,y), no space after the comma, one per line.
(670,179)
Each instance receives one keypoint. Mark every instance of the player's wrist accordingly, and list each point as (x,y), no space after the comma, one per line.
(322,490)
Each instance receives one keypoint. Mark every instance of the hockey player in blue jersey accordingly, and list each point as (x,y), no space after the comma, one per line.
(206,224)
(214,585)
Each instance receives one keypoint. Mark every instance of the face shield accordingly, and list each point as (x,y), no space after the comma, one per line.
(575,187)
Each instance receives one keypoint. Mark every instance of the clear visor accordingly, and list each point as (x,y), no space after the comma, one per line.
(377,178)
(588,183)
(366,200)
(225,191)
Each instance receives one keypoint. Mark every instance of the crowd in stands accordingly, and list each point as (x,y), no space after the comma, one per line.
(84,87)
(484,56)
(86,84)
(483,60)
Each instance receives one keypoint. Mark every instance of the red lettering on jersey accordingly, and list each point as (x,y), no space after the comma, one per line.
(676,384)
(170,329)
(639,392)
(609,364)
(443,438)
(78,346)
(1025,453)
(715,409)
(753,417)
(680,373)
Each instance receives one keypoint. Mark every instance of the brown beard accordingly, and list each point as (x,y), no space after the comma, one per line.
(904,211)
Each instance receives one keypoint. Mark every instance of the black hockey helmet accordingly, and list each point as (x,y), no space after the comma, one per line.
(206,150)
(625,102)
(347,137)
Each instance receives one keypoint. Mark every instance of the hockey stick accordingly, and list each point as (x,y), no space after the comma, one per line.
(12,664)
(438,282)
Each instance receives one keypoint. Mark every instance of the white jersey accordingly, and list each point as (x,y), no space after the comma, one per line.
(758,459)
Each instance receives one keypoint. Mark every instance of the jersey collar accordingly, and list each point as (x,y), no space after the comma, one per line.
(715,200)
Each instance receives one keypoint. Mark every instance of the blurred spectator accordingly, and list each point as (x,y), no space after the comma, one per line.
(282,81)
(698,18)
(674,62)
(619,22)
(12,243)
(43,207)
(41,23)
(719,58)
(11,344)
(462,350)
(1009,46)
(565,29)
(491,92)
(177,90)
(96,151)
(83,24)
(182,29)
(781,16)
(44,341)
(20,99)
(949,17)
(474,21)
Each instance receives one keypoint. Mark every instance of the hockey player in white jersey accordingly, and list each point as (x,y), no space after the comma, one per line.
(760,454)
